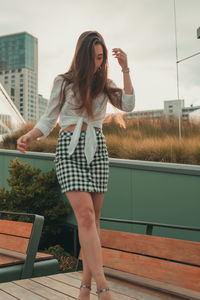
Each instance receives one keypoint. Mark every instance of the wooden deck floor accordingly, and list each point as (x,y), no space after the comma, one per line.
(66,286)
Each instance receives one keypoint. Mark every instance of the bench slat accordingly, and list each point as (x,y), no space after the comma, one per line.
(14,243)
(173,249)
(22,229)
(174,273)
(7,260)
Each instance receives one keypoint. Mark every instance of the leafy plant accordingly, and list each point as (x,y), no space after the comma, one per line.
(36,193)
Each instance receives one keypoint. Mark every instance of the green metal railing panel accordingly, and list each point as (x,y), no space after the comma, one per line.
(167,198)
(118,200)
(5,161)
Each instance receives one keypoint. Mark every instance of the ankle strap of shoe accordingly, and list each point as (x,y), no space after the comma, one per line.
(101,291)
(86,286)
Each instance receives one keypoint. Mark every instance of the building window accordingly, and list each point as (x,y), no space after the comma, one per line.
(13,76)
(21,85)
(21,75)
(6,77)
(5,82)
(12,91)
(170,111)
(6,72)
(21,95)
(13,71)
(21,80)
(21,90)
(19,70)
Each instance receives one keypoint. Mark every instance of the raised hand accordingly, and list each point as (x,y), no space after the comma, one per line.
(121,57)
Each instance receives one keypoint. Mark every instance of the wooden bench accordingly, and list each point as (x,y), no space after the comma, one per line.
(19,242)
(166,264)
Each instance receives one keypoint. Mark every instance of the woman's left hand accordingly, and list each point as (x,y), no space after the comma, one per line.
(121,57)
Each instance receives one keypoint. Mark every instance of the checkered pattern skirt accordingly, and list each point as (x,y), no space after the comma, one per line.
(74,173)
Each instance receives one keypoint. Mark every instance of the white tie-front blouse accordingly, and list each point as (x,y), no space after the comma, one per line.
(69,116)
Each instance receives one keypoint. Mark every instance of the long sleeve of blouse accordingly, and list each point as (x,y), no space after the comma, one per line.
(68,116)
(49,119)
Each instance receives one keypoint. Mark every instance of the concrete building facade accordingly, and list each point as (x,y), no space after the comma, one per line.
(172,109)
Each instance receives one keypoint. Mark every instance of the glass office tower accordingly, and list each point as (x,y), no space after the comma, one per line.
(19,71)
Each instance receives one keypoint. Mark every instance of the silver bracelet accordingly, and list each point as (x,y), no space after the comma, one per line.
(125,70)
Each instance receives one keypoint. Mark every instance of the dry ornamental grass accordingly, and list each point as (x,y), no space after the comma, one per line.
(142,139)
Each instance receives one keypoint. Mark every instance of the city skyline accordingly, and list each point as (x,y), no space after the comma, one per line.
(143,29)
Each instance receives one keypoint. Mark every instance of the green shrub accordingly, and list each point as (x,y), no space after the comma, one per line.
(36,193)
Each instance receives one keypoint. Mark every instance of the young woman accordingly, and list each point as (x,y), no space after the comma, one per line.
(79,97)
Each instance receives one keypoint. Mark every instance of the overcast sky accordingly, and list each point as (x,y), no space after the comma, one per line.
(144,29)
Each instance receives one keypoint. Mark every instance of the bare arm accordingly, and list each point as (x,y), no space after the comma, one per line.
(123,62)
(128,88)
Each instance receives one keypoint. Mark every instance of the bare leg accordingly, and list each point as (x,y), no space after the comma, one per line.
(83,207)
(97,199)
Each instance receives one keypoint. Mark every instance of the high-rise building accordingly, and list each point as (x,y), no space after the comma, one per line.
(19,71)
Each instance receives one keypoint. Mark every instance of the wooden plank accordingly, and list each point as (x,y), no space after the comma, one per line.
(164,288)
(161,270)
(58,286)
(10,260)
(39,255)
(19,292)
(41,290)
(5,296)
(65,278)
(119,287)
(22,229)
(75,282)
(173,249)
(43,256)
(14,258)
(14,243)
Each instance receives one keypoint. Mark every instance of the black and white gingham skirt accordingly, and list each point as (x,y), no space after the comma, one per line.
(74,173)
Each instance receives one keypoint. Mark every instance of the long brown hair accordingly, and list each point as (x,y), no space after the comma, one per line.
(86,84)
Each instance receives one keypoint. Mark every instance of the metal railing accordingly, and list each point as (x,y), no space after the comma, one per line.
(150,225)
